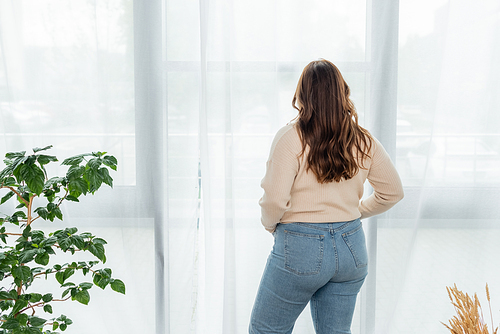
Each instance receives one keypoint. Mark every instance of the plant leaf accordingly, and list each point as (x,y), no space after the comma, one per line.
(86,285)
(27,256)
(66,292)
(47,297)
(13,294)
(12,155)
(72,198)
(36,149)
(68,273)
(34,177)
(27,231)
(21,272)
(83,297)
(118,286)
(55,213)
(76,160)
(53,181)
(35,297)
(94,179)
(73,161)
(12,323)
(94,163)
(100,281)
(104,173)
(45,159)
(98,251)
(9,181)
(80,185)
(23,319)
(75,172)
(19,305)
(77,241)
(4,295)
(7,197)
(99,241)
(42,212)
(47,308)
(36,321)
(70,230)
(9,170)
(42,259)
(60,277)
(110,161)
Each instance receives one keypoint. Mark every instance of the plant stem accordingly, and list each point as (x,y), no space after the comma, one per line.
(41,304)
(17,193)
(29,210)
(68,267)
(20,288)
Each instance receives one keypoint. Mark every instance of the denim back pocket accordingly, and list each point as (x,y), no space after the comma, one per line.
(303,253)
(355,240)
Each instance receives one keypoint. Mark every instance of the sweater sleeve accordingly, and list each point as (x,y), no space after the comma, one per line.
(281,170)
(387,186)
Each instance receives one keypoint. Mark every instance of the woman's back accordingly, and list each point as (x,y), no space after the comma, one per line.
(292,192)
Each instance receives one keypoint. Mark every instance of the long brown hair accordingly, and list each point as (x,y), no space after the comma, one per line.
(328,123)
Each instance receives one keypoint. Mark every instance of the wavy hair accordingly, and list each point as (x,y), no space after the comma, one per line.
(328,123)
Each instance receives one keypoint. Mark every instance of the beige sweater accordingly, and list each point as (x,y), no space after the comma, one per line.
(292,194)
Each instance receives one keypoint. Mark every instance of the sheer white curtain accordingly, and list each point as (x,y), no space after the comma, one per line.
(67,80)
(448,145)
(188,95)
(424,80)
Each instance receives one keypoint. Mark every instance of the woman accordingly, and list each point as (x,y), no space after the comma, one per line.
(312,205)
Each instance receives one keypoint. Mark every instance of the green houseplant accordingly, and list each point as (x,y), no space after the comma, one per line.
(25,253)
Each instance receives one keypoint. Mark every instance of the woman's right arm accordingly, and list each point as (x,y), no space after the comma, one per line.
(386,183)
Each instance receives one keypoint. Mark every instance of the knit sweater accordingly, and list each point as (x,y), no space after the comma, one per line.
(293,194)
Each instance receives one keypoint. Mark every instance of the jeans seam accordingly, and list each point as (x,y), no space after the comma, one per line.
(308,225)
(336,258)
(300,234)
(354,254)
(338,229)
(315,314)
(351,232)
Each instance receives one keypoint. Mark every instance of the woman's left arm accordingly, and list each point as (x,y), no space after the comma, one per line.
(277,185)
(282,168)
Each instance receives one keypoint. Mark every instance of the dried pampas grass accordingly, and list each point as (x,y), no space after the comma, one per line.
(469,318)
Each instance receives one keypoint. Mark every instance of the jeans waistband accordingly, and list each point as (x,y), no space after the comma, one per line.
(328,226)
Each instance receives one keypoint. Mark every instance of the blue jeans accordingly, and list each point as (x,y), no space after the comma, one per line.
(321,263)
